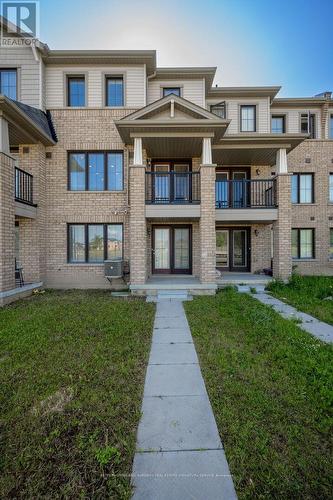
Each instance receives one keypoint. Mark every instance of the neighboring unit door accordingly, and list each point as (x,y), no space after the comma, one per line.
(233,249)
(172,249)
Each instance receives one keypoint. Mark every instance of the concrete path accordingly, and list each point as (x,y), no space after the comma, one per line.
(314,326)
(179,452)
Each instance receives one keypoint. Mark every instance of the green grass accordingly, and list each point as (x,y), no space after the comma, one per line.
(307,294)
(72,368)
(270,385)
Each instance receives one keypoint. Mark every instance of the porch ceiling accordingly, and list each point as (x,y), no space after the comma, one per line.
(254,149)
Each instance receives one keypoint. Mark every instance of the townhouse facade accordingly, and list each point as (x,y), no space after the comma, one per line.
(105,156)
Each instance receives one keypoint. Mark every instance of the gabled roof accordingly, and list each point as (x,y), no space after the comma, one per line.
(179,102)
(27,123)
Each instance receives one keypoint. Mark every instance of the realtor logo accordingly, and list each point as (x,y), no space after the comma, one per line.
(20,22)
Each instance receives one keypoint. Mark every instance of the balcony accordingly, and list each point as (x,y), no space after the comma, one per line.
(172,194)
(24,205)
(248,200)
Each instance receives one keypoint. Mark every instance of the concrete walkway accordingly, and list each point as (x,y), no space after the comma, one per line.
(314,326)
(179,452)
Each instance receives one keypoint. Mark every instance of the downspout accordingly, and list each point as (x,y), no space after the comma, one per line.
(38,59)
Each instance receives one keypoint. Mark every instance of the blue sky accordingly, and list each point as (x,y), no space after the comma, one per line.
(252,42)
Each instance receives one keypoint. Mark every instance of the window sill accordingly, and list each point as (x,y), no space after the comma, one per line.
(305,204)
(304,260)
(96,192)
(84,264)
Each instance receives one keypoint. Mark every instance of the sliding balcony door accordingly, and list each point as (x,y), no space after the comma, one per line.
(233,252)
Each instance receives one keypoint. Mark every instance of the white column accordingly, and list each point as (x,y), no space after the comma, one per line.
(206,151)
(281,162)
(4,136)
(138,159)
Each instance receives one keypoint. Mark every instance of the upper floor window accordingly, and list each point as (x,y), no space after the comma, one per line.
(331,188)
(302,188)
(95,171)
(76,91)
(278,124)
(171,90)
(114,91)
(302,243)
(330,134)
(94,242)
(308,124)
(248,118)
(331,243)
(8,83)
(219,109)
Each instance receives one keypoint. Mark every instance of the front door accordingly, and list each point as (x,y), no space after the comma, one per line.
(233,249)
(172,248)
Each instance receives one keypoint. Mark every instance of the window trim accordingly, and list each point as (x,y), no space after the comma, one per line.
(329,243)
(110,76)
(86,174)
(241,106)
(329,190)
(284,118)
(299,229)
(309,113)
(76,77)
(74,74)
(298,202)
(330,126)
(221,104)
(172,87)
(18,78)
(86,242)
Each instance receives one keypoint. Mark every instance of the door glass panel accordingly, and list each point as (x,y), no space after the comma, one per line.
(222,248)
(162,184)
(182,248)
(239,189)
(239,245)
(162,248)
(181,182)
(221,190)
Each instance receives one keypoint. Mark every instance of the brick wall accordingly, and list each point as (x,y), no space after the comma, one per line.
(207,224)
(318,215)
(7,223)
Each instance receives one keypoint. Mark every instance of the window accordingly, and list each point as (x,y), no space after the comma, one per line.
(302,188)
(330,135)
(248,118)
(308,124)
(76,88)
(95,171)
(171,90)
(8,83)
(278,124)
(94,243)
(302,243)
(331,243)
(331,188)
(114,91)
(219,109)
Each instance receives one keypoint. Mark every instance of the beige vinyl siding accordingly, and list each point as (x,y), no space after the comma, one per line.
(262,114)
(293,119)
(134,80)
(192,90)
(28,68)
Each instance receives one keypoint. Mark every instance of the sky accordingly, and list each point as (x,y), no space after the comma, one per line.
(252,42)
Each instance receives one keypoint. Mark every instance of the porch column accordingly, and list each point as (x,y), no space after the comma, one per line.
(207,215)
(282,262)
(138,225)
(7,212)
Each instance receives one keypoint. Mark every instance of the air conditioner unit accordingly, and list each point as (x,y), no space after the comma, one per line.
(114,268)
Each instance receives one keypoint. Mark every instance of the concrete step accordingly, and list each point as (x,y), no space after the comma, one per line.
(169,295)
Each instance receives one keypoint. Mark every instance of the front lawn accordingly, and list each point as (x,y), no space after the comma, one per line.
(270,385)
(310,294)
(72,368)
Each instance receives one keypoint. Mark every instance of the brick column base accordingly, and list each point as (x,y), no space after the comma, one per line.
(282,262)
(137,225)
(7,223)
(207,224)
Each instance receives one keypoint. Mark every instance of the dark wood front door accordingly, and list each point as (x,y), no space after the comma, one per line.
(233,252)
(172,249)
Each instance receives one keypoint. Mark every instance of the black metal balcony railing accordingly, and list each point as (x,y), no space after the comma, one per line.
(172,187)
(246,193)
(23,186)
